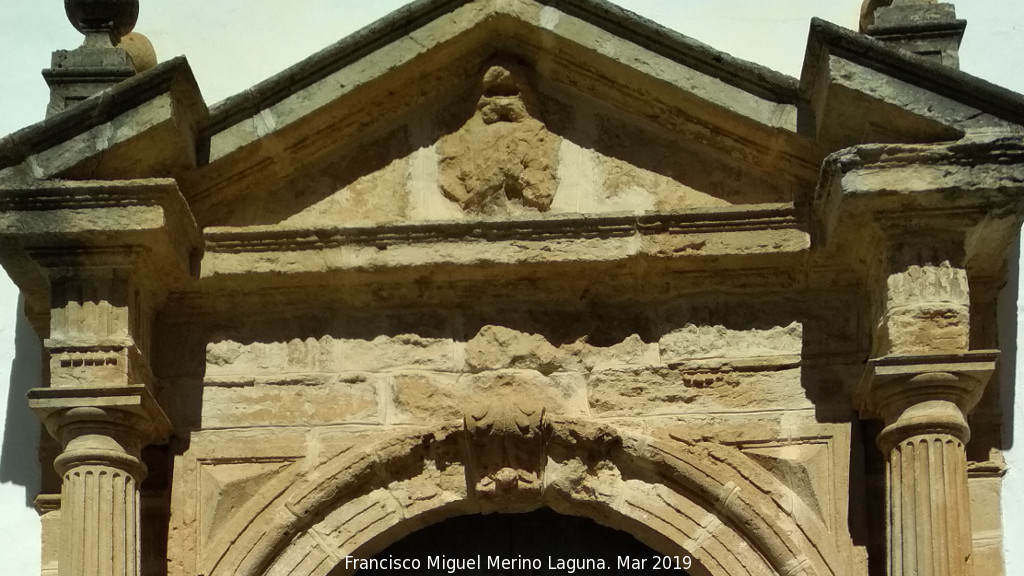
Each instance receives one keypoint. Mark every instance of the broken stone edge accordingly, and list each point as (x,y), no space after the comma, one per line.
(100,109)
(826,37)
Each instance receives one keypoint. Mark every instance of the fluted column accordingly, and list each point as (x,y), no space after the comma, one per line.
(103,507)
(102,431)
(926,478)
(923,383)
(101,471)
(923,401)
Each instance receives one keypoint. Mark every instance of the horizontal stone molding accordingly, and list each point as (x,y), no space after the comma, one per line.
(719,220)
(87,195)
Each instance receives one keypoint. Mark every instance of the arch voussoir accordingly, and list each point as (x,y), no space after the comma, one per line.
(677,497)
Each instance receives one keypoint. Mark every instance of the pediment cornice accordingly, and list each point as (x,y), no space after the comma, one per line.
(762,137)
(746,95)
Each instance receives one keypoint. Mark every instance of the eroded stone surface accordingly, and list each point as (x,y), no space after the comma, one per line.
(695,342)
(503,161)
(512,257)
(497,347)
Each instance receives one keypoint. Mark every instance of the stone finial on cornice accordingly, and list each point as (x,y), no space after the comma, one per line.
(925,27)
(109,54)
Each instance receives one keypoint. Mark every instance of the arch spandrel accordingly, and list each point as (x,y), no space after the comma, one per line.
(708,501)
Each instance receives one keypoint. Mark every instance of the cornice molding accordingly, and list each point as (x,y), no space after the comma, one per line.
(226,240)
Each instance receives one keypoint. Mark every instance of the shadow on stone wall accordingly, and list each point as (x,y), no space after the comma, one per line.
(19,461)
(1008,327)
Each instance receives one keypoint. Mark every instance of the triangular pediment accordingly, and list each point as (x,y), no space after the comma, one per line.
(409,133)
(388,126)
(511,142)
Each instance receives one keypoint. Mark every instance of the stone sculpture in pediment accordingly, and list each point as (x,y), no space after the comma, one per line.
(504,156)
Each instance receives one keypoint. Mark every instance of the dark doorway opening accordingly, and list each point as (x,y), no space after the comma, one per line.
(539,542)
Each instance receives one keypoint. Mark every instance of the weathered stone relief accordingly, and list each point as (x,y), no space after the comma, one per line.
(503,160)
(693,342)
(496,347)
(505,433)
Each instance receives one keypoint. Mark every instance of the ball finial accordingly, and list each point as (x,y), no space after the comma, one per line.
(117,17)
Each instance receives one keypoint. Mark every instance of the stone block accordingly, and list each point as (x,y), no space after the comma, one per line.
(695,342)
(335,402)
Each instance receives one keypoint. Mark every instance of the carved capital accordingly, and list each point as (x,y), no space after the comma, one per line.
(926,294)
(925,394)
(101,426)
(99,319)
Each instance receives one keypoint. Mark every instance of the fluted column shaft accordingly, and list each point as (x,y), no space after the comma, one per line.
(101,472)
(100,524)
(928,526)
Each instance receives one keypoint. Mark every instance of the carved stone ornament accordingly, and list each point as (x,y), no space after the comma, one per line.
(504,158)
(506,439)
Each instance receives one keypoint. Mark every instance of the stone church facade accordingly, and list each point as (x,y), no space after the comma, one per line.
(494,256)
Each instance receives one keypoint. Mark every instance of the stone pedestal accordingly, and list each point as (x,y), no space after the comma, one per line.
(75,75)
(923,401)
(99,62)
(924,27)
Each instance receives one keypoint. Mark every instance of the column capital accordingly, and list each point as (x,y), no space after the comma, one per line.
(69,411)
(925,394)
(895,381)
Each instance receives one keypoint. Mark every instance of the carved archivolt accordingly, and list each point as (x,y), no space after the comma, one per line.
(705,500)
